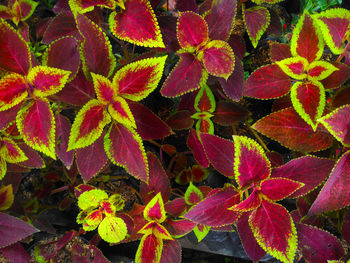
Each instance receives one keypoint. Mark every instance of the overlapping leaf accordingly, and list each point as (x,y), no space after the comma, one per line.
(137,24)
(6,197)
(11,152)
(112,229)
(154,210)
(83,6)
(13,90)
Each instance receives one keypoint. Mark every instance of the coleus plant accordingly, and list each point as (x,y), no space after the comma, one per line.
(18,10)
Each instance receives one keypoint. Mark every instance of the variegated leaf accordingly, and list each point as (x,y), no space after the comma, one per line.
(252,202)
(218,58)
(83,6)
(289,129)
(276,189)
(192,31)
(22,9)
(13,90)
(274,230)
(154,210)
(149,249)
(337,123)
(14,51)
(36,124)
(10,151)
(137,24)
(3,168)
(120,111)
(294,67)
(187,76)
(250,164)
(309,100)
(112,229)
(6,197)
(319,70)
(204,100)
(193,195)
(47,81)
(201,231)
(306,41)
(104,89)
(88,125)
(256,20)
(91,198)
(334,24)
(124,147)
(137,80)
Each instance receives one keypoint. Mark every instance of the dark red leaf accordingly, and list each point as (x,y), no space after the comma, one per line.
(176,207)
(15,253)
(275,158)
(178,228)
(238,46)
(180,120)
(346,227)
(338,77)
(228,113)
(279,51)
(171,252)
(167,26)
(196,146)
(267,82)
(341,98)
(8,116)
(34,159)
(63,128)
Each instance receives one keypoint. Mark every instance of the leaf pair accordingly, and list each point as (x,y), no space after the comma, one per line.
(199,55)
(18,10)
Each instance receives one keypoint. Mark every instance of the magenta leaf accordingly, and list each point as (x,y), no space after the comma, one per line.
(15,253)
(63,128)
(267,82)
(91,159)
(196,146)
(220,153)
(335,194)
(277,189)
(171,252)
(318,246)
(13,229)
(213,210)
(310,170)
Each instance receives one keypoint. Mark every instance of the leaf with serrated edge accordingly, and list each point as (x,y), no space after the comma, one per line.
(149,249)
(306,40)
(83,6)
(251,164)
(295,67)
(136,24)
(276,189)
(251,203)
(156,229)
(335,193)
(137,80)
(274,230)
(191,31)
(23,9)
(154,210)
(256,20)
(10,151)
(6,197)
(309,101)
(218,58)
(46,80)
(120,111)
(13,90)
(205,100)
(259,2)
(201,232)
(112,229)
(193,195)
(103,88)
(3,168)
(289,129)
(91,199)
(267,82)
(88,125)
(319,70)
(124,148)
(36,124)
(334,24)
(337,123)
(188,75)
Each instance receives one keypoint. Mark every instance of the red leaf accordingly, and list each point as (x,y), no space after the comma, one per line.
(318,246)
(15,253)
(64,54)
(310,170)
(63,128)
(233,86)
(288,128)
(14,51)
(338,124)
(279,51)
(8,116)
(196,146)
(180,120)
(124,147)
(77,92)
(13,90)
(338,77)
(238,46)
(34,159)
(136,24)
(180,227)
(256,20)
(251,247)
(346,227)
(274,230)
(154,211)
(220,153)
(176,207)
(267,82)
(36,123)
(186,5)
(192,30)
(277,189)
(335,194)
(149,126)
(171,252)
(187,76)
(341,98)
(275,158)
(220,19)
(13,229)
(305,41)
(96,49)
(213,210)
(91,159)
(61,25)
(158,181)
(252,202)
(149,250)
